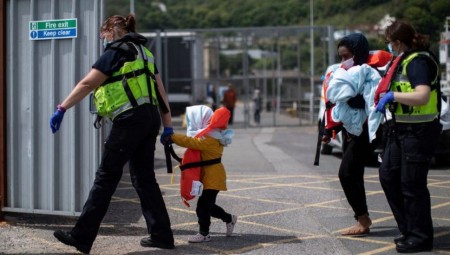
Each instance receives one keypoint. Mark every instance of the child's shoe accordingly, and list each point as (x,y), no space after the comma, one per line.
(199,238)
(230,225)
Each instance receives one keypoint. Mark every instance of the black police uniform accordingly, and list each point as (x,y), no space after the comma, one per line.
(132,139)
(405,164)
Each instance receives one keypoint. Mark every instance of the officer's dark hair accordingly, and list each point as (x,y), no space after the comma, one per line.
(405,33)
(127,24)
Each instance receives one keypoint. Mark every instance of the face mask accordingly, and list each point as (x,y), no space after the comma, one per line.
(347,63)
(105,43)
(391,50)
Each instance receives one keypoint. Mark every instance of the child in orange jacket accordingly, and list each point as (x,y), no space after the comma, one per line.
(208,134)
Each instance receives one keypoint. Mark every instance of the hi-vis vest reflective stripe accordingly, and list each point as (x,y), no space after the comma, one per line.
(128,87)
(414,114)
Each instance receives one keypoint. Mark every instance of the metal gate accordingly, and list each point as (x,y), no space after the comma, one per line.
(196,63)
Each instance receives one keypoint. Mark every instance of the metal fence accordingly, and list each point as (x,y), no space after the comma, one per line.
(196,63)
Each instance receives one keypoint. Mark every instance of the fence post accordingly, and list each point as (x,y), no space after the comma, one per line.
(2,104)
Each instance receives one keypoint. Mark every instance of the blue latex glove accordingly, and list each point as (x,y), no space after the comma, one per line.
(165,136)
(56,119)
(386,99)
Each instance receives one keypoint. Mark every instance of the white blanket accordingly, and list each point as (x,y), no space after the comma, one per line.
(346,84)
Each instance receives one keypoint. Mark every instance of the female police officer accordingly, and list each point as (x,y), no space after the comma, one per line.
(414,132)
(128,90)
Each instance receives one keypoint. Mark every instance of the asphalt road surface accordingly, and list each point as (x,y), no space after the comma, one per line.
(284,203)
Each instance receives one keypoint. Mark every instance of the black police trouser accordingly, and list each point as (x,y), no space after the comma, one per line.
(207,208)
(132,138)
(351,170)
(403,176)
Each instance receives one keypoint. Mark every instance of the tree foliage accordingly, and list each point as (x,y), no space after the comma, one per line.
(427,16)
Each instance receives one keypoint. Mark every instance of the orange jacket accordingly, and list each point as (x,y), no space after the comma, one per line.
(212,176)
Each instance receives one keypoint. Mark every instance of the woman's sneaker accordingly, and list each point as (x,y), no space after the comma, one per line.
(230,225)
(199,238)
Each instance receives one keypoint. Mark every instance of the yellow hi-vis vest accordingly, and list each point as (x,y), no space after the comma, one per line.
(128,87)
(420,113)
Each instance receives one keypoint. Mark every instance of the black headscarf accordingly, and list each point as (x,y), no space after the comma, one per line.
(358,45)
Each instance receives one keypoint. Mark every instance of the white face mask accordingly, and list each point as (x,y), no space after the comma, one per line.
(105,43)
(347,63)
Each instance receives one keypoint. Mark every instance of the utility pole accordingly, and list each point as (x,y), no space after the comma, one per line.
(132,7)
(447,62)
(311,102)
(444,58)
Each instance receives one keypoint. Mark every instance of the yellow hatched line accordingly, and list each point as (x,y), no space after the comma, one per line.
(379,250)
(240,217)
(443,233)
(387,218)
(178,209)
(125,188)
(185,224)
(175,187)
(324,203)
(280,229)
(365,239)
(270,212)
(444,219)
(332,207)
(441,251)
(374,192)
(373,221)
(253,188)
(257,199)
(438,186)
(299,184)
(121,199)
(392,246)
(205,247)
(273,183)
(439,182)
(372,181)
(260,246)
(172,196)
(381,212)
(282,185)
(438,176)
(441,197)
(440,205)
(370,176)
(271,177)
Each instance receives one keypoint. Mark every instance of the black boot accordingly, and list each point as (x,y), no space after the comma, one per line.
(67,239)
(148,242)
(399,238)
(406,246)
